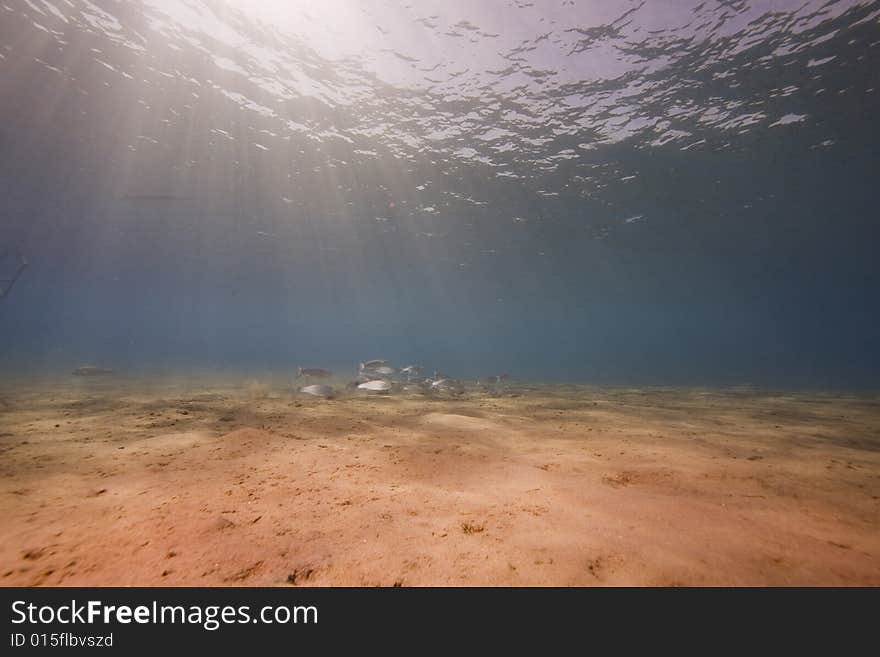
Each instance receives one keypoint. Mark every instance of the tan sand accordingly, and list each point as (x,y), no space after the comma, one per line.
(115,482)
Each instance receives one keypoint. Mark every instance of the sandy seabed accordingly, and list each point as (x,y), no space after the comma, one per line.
(222,481)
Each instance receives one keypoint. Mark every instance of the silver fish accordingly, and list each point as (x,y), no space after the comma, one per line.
(372,364)
(368,375)
(319,390)
(316,372)
(446,385)
(378,386)
(90,370)
(155,197)
(410,371)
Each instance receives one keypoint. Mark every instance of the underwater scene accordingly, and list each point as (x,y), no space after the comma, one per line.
(439,293)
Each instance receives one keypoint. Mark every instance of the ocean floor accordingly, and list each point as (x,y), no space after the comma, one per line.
(228,481)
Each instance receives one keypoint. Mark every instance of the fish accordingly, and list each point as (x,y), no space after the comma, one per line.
(378,386)
(316,372)
(410,371)
(155,197)
(446,385)
(319,390)
(372,364)
(90,370)
(385,370)
(367,375)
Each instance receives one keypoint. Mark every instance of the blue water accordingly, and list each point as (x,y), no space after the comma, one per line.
(663,193)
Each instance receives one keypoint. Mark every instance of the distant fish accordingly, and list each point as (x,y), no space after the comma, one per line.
(378,386)
(372,364)
(446,385)
(410,371)
(369,375)
(385,370)
(90,370)
(316,372)
(319,390)
(265,234)
(155,197)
